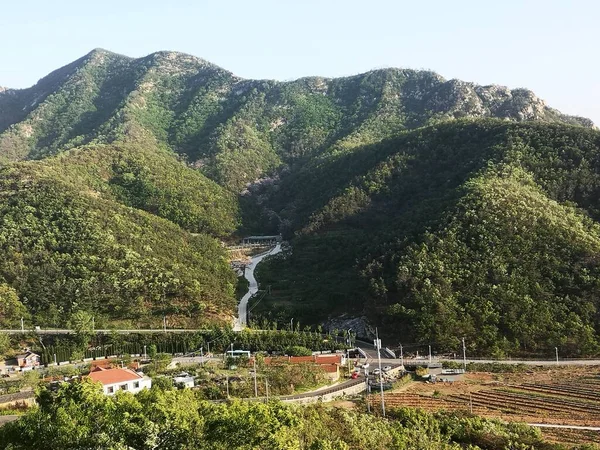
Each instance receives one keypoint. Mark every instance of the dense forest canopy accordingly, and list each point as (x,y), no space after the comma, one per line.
(437,208)
(81,416)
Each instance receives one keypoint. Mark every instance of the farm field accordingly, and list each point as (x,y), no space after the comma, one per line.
(561,396)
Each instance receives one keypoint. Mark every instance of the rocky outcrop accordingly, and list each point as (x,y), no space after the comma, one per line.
(359,326)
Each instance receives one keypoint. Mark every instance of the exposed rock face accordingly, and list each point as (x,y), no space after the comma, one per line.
(224,122)
(456,98)
(360,326)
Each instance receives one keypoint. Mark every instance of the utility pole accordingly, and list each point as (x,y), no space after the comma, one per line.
(378,346)
(368,390)
(145,356)
(255,385)
(55,363)
(201,357)
(401,356)
(292,325)
(464,354)
(93,324)
(165,324)
(267,388)
(22,326)
(556,348)
(430,354)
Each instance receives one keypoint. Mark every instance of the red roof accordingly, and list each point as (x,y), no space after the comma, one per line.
(114,362)
(301,359)
(113,376)
(329,359)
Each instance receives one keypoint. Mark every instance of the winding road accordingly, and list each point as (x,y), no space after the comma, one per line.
(242,320)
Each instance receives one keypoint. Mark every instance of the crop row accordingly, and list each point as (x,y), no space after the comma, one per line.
(423,402)
(530,404)
(551,400)
(560,390)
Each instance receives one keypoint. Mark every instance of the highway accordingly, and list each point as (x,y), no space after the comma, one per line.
(372,358)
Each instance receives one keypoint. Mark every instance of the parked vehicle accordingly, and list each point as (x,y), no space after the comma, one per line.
(365,365)
(387,368)
(376,372)
(354,375)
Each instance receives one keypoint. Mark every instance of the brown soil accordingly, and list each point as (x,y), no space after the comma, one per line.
(562,395)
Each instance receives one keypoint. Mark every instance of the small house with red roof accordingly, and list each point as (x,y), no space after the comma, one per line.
(117,379)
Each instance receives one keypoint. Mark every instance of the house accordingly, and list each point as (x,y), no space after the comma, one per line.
(114,380)
(184,380)
(28,360)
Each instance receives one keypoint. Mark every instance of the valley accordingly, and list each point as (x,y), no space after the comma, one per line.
(435,209)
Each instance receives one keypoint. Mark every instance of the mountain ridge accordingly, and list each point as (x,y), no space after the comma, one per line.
(198,108)
(405,197)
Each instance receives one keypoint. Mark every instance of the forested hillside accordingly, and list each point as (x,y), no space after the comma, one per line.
(71,241)
(438,208)
(481,230)
(238,130)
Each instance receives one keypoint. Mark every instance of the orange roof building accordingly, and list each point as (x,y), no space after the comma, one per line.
(114,380)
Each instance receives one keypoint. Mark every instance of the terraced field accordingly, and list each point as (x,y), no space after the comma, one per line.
(571,437)
(576,402)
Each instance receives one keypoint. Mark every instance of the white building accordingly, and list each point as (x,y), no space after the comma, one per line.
(185,380)
(114,380)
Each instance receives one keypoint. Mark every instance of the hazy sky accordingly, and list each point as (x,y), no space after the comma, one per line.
(548,46)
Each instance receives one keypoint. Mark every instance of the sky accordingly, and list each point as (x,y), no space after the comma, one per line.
(550,47)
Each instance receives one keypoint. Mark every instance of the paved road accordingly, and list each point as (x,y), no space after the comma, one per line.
(570,427)
(372,357)
(565,362)
(241,320)
(7,418)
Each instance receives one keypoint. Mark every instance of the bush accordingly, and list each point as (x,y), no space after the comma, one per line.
(298,350)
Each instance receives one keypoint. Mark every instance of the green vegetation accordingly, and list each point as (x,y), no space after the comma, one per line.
(490,367)
(79,416)
(66,347)
(400,203)
(484,230)
(68,245)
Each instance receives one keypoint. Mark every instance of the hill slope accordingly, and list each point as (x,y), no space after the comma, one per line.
(438,208)
(70,240)
(485,230)
(238,130)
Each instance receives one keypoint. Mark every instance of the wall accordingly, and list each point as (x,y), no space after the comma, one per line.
(346,391)
(144,383)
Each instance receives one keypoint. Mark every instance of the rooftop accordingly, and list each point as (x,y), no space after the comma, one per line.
(112,376)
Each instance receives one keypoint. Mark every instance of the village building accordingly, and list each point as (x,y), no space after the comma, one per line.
(184,380)
(114,380)
(28,360)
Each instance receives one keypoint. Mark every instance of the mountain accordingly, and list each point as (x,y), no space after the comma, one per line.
(209,115)
(485,230)
(439,209)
